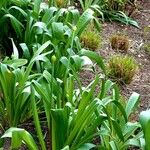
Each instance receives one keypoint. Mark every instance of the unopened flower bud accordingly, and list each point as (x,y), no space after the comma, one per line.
(53,59)
(74,28)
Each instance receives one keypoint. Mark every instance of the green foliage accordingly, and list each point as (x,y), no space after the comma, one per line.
(106,4)
(33,25)
(15,86)
(11,22)
(120,42)
(74,125)
(122,68)
(145,122)
(4,3)
(49,82)
(57,81)
(121,17)
(116,4)
(110,10)
(36,119)
(120,133)
(18,135)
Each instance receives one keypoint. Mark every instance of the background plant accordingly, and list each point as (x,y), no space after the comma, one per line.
(33,26)
(113,10)
(30,23)
(120,42)
(90,38)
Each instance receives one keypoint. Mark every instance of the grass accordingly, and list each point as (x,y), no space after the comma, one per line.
(90,38)
(120,42)
(122,68)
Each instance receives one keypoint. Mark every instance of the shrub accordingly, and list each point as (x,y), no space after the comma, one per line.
(90,38)
(122,68)
(120,42)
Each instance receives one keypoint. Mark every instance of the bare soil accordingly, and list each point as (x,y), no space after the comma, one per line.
(141,82)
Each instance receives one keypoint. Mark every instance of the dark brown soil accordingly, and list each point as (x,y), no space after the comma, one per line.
(141,82)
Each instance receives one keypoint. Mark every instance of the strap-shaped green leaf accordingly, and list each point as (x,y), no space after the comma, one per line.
(18,135)
(95,57)
(145,122)
(132,103)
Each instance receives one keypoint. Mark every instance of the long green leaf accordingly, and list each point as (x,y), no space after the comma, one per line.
(95,57)
(18,136)
(37,4)
(145,122)
(60,120)
(132,103)
(36,120)
(86,17)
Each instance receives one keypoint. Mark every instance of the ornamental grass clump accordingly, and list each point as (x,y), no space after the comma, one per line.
(120,42)
(122,68)
(90,38)
(61,3)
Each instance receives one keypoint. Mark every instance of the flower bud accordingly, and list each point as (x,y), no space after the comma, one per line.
(53,59)
(74,28)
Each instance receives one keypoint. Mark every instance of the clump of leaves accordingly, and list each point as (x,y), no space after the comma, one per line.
(116,4)
(120,42)
(90,38)
(61,3)
(122,68)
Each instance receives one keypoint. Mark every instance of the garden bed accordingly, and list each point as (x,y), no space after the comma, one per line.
(140,84)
